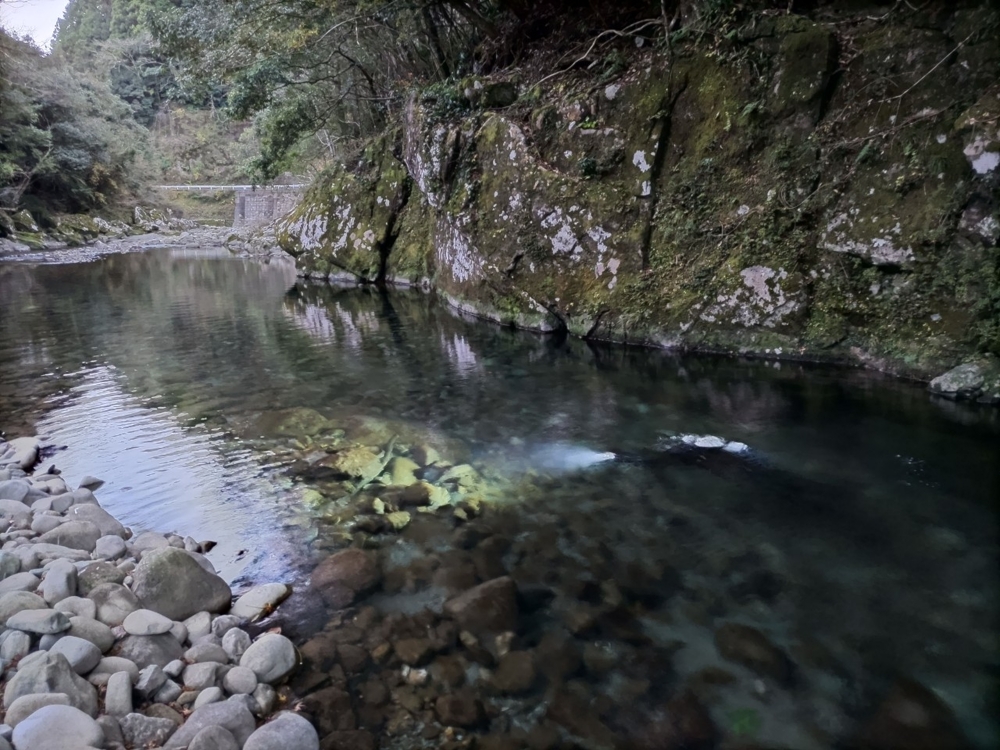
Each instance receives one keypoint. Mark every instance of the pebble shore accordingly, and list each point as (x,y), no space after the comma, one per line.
(115,641)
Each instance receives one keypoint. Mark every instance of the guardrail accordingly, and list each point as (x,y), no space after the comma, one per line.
(231,187)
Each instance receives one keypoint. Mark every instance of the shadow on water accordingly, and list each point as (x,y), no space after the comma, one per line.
(860,530)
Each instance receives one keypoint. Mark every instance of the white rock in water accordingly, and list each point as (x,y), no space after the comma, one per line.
(709,441)
(689,439)
(736,447)
(260,601)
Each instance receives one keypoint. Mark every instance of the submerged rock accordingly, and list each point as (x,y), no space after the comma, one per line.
(751,648)
(914,718)
(490,607)
(342,577)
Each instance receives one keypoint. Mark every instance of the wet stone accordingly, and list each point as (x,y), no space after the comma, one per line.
(515,672)
(750,647)
(146,731)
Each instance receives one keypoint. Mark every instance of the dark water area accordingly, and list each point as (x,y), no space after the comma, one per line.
(859,531)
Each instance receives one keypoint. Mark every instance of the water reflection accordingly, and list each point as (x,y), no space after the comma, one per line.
(173,375)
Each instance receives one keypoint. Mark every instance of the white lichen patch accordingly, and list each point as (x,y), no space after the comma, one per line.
(842,235)
(639,160)
(760,301)
(455,254)
(610,92)
(983,155)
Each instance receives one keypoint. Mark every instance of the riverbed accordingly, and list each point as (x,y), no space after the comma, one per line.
(854,524)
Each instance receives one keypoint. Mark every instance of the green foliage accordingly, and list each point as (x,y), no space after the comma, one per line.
(66,142)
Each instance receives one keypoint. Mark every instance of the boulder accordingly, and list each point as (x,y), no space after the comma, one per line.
(58,728)
(51,673)
(964,381)
(233,716)
(285,731)
(145,650)
(82,535)
(343,576)
(490,607)
(170,581)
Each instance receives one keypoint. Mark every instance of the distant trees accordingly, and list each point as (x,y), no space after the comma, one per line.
(66,142)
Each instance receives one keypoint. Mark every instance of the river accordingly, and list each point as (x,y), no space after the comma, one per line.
(858,530)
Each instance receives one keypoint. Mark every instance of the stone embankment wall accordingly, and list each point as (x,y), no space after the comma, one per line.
(817,187)
(262,205)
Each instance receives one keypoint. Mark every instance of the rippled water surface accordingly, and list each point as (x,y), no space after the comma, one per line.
(859,531)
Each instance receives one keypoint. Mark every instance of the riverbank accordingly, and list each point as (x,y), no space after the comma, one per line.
(114,641)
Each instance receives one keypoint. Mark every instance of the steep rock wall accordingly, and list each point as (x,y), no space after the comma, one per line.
(817,189)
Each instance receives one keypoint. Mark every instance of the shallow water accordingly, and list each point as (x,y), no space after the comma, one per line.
(859,531)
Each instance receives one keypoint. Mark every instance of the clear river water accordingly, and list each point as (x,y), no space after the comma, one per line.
(858,531)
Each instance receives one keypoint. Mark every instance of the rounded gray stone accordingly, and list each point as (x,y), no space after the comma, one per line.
(82,655)
(94,631)
(147,622)
(77,606)
(51,673)
(118,698)
(172,582)
(198,625)
(110,547)
(26,705)
(82,535)
(114,603)
(19,582)
(39,621)
(59,582)
(18,601)
(208,695)
(9,564)
(213,738)
(54,727)
(201,675)
(206,652)
(285,731)
(150,649)
(233,717)
(235,643)
(260,601)
(271,658)
(16,644)
(240,681)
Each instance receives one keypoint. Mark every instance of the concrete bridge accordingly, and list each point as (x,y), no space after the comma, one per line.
(255,204)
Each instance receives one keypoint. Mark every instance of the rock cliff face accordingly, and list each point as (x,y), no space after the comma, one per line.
(821,187)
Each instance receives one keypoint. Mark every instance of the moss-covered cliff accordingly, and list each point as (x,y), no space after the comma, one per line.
(823,186)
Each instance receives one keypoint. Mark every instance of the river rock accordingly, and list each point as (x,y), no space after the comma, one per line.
(146,731)
(96,515)
(150,680)
(343,576)
(39,621)
(490,607)
(235,643)
(286,730)
(200,676)
(43,524)
(97,574)
(206,651)
(110,547)
(82,655)
(81,535)
(19,582)
(223,624)
(459,710)
(14,489)
(169,693)
(748,646)
(271,658)
(18,601)
(208,695)
(170,581)
(51,673)
(59,582)
(114,603)
(911,717)
(213,738)
(265,697)
(77,606)
(47,552)
(964,381)
(16,514)
(118,698)
(26,705)
(232,716)
(515,672)
(147,541)
(14,645)
(146,622)
(9,564)
(92,630)
(198,625)
(240,681)
(58,728)
(260,601)
(25,452)
(145,650)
